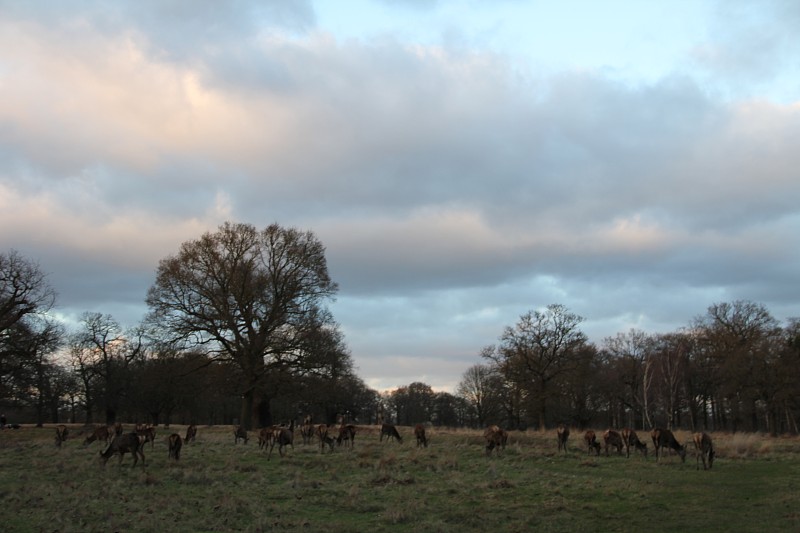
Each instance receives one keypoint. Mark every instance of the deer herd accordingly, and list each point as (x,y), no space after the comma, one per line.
(495,437)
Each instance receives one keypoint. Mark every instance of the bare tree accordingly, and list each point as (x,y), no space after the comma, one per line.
(633,350)
(251,297)
(540,348)
(479,387)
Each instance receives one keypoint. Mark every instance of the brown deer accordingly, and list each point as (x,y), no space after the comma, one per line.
(562,432)
(61,434)
(705,450)
(265,436)
(191,434)
(307,430)
(347,433)
(322,434)
(148,434)
(419,433)
(122,444)
(175,445)
(239,433)
(613,438)
(495,437)
(118,429)
(99,433)
(390,432)
(630,438)
(591,441)
(283,437)
(664,437)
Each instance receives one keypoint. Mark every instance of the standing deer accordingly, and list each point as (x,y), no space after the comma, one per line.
(664,437)
(191,434)
(390,432)
(419,433)
(61,434)
(175,445)
(705,450)
(562,432)
(630,438)
(282,437)
(239,433)
(322,434)
(591,441)
(148,434)
(495,437)
(613,438)
(347,433)
(307,430)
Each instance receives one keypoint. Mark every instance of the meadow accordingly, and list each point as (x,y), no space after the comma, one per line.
(380,486)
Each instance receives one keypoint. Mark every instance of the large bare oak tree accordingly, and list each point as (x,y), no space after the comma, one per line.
(254,298)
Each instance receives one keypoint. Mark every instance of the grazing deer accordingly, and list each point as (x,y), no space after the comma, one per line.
(175,445)
(495,438)
(630,438)
(705,450)
(419,433)
(322,434)
(147,434)
(99,433)
(591,442)
(239,433)
(390,432)
(664,437)
(191,434)
(122,444)
(347,433)
(613,438)
(118,429)
(282,437)
(562,432)
(61,434)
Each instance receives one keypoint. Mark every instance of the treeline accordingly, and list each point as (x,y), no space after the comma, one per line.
(238,333)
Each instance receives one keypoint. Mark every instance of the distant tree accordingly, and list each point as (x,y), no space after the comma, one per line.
(412,404)
(541,348)
(102,353)
(25,331)
(632,353)
(739,338)
(250,297)
(480,387)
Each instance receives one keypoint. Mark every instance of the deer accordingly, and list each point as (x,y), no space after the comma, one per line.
(705,450)
(100,432)
(61,434)
(664,437)
(265,436)
(591,441)
(239,432)
(118,429)
(148,433)
(613,438)
(282,437)
(191,434)
(390,432)
(419,433)
(562,432)
(122,444)
(322,434)
(495,438)
(307,430)
(347,433)
(175,445)
(630,438)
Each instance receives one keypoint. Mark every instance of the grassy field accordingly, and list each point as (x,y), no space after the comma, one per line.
(449,486)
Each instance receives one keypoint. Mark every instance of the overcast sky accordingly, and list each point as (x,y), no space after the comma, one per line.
(463,162)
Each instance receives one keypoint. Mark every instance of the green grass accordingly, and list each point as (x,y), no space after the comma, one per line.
(449,486)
